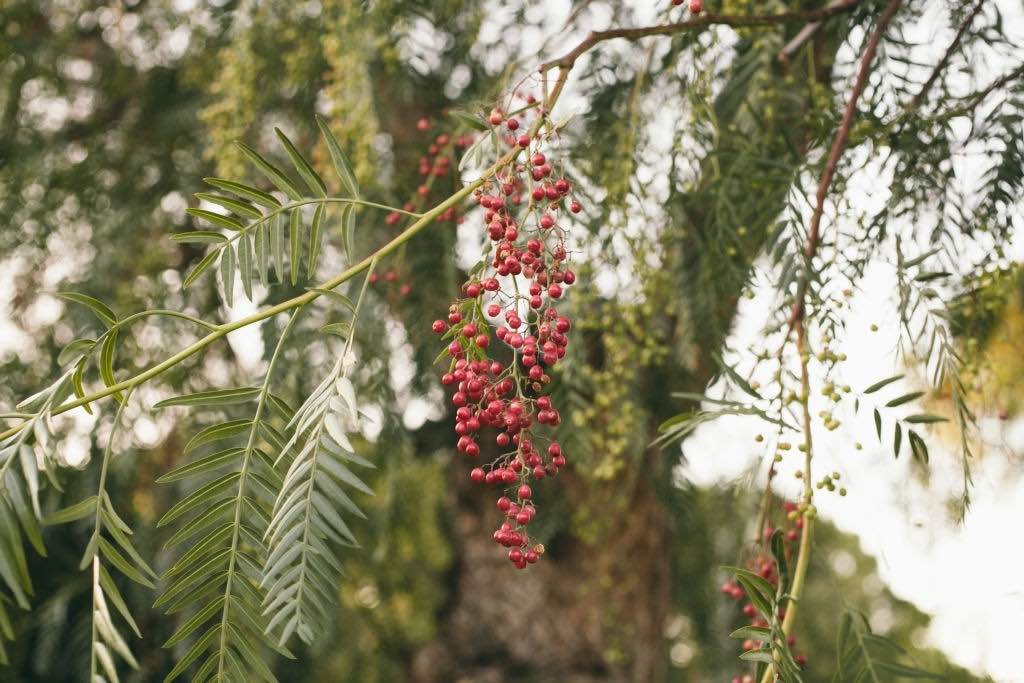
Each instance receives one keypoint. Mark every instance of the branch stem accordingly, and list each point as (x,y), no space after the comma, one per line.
(288,305)
(798,319)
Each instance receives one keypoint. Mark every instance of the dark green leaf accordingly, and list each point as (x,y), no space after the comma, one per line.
(217,219)
(201,267)
(101,310)
(244,191)
(341,163)
(273,173)
(882,383)
(218,397)
(200,237)
(313,180)
(240,208)
(905,398)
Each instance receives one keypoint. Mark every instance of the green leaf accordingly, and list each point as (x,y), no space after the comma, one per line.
(198,647)
(115,558)
(341,163)
(197,620)
(337,297)
(200,237)
(878,423)
(314,241)
(101,310)
(763,656)
(106,362)
(217,219)
(273,173)
(340,329)
(313,180)
(348,229)
(882,383)
(77,384)
(897,440)
(201,267)
(261,239)
(208,463)
(295,237)
(71,513)
(122,540)
(761,633)
(925,419)
(207,495)
(919,449)
(240,208)
(201,523)
(735,376)
(218,397)
(244,191)
(245,265)
(277,245)
(227,273)
(758,590)
(905,398)
(112,592)
(217,432)
(75,349)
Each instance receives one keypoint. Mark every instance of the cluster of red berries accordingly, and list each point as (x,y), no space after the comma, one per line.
(766,567)
(515,289)
(696,6)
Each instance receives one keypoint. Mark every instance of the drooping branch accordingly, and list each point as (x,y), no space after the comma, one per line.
(797,321)
(843,134)
(699,23)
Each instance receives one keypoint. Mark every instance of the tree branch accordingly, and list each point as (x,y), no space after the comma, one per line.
(697,23)
(944,62)
(797,321)
(843,134)
(803,36)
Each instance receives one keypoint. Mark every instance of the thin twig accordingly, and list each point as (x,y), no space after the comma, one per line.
(838,146)
(802,37)
(944,62)
(697,23)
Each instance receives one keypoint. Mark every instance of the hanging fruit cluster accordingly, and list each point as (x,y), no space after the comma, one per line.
(511,299)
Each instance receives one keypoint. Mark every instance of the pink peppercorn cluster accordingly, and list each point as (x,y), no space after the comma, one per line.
(766,567)
(514,294)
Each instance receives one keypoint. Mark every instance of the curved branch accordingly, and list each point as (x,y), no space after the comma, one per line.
(797,321)
(290,304)
(944,62)
(838,147)
(699,23)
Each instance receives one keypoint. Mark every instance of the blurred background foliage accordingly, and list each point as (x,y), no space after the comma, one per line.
(112,112)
